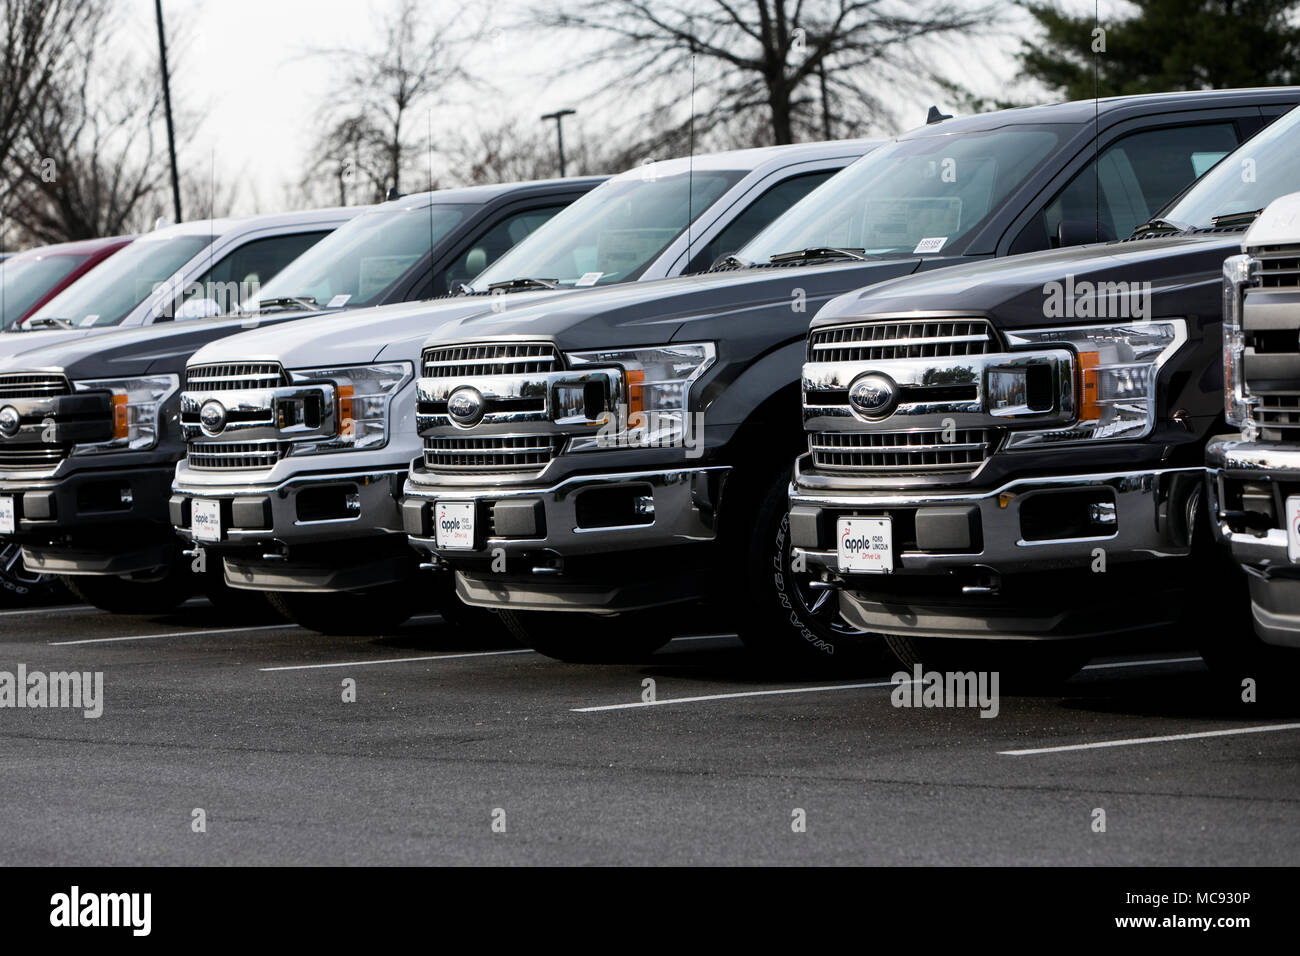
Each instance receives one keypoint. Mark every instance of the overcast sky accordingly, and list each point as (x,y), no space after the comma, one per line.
(248,71)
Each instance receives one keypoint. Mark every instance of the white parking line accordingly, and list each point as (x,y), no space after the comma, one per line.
(1132,741)
(1158,660)
(746,693)
(395,660)
(286,626)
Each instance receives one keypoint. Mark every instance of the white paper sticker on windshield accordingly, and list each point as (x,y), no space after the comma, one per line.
(933,244)
(339,301)
(89,320)
(588,278)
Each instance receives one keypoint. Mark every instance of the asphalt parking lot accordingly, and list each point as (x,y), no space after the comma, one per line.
(448,736)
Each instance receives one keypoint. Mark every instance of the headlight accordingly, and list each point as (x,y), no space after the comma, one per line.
(137,410)
(1238,273)
(363,394)
(1115,386)
(657,385)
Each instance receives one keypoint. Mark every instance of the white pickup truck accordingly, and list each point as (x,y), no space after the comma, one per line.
(325,423)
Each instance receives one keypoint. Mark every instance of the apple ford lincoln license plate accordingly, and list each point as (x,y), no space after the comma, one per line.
(865,544)
(454,523)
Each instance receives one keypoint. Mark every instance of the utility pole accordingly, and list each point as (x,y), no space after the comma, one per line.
(167,106)
(558,116)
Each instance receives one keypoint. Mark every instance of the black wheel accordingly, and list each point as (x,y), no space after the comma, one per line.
(782,614)
(591,638)
(370,611)
(1022,666)
(153,592)
(236,603)
(18,586)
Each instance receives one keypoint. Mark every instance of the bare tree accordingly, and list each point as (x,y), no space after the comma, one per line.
(37,42)
(374,127)
(512,152)
(807,68)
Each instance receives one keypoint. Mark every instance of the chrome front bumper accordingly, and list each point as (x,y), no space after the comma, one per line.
(1257,536)
(536,530)
(1130,516)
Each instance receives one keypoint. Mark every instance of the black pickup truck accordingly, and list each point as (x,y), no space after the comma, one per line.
(597,467)
(1007,460)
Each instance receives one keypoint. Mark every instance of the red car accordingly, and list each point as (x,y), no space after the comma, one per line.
(30,279)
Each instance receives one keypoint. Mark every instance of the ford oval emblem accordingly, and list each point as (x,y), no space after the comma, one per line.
(212,417)
(873,395)
(466,406)
(10,421)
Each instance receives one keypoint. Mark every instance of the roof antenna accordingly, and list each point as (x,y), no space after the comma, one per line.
(432,278)
(690,168)
(934,116)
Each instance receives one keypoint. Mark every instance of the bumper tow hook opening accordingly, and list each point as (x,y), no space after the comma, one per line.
(274,556)
(192,553)
(977,589)
(817,585)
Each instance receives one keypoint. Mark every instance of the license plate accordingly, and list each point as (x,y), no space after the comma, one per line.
(454,523)
(865,544)
(1293,529)
(205,520)
(8,521)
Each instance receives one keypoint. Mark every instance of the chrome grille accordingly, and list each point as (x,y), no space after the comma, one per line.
(877,341)
(33,385)
(1279,266)
(1277,414)
(493,358)
(489,453)
(234,376)
(34,457)
(235,455)
(904,451)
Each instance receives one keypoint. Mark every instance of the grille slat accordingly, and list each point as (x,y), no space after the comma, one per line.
(26,385)
(494,358)
(230,456)
(880,341)
(1279,267)
(891,452)
(234,376)
(490,453)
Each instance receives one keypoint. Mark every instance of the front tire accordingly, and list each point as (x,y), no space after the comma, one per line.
(781,615)
(148,593)
(19,586)
(579,638)
(371,611)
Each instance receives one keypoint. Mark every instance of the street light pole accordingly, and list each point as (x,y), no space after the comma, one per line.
(167,106)
(558,116)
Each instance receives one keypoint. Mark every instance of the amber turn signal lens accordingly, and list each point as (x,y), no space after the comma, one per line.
(120,429)
(345,409)
(635,391)
(1089,385)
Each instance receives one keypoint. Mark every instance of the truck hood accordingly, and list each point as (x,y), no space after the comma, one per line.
(16,343)
(146,350)
(1024,291)
(357,336)
(703,307)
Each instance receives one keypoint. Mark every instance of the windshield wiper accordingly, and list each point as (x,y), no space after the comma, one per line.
(819,252)
(47,323)
(731,261)
(304,302)
(1158,225)
(1235,218)
(512,284)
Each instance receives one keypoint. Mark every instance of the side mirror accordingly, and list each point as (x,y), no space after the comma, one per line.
(197,308)
(1078,232)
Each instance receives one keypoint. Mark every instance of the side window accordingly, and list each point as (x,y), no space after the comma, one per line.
(491,245)
(239,274)
(761,212)
(1127,184)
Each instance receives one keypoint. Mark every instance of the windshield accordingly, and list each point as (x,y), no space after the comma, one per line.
(110,292)
(359,262)
(933,188)
(25,279)
(614,232)
(1261,169)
